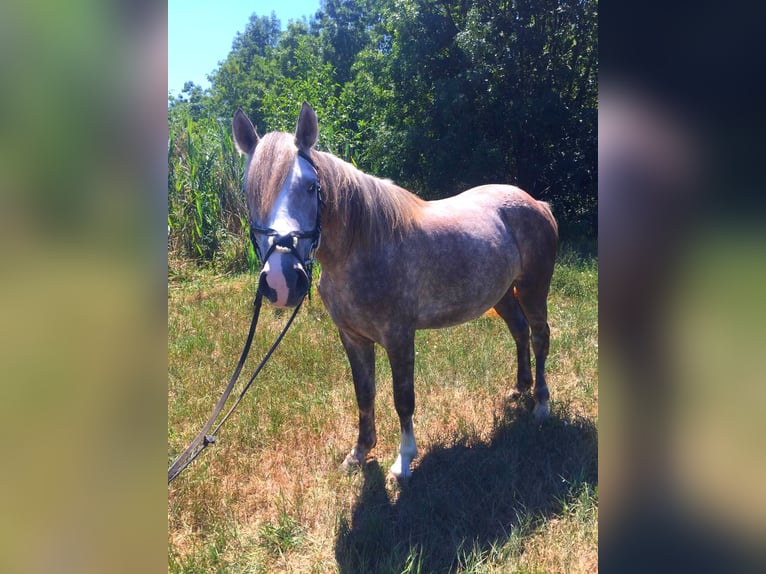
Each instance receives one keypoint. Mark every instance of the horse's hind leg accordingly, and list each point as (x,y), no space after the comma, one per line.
(533,298)
(509,309)
(361,357)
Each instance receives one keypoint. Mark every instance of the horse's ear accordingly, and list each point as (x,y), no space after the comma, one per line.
(307,130)
(245,136)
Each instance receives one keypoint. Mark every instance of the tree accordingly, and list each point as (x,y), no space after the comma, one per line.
(439,95)
(244,77)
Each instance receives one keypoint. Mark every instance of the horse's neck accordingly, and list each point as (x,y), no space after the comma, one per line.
(363,211)
(335,241)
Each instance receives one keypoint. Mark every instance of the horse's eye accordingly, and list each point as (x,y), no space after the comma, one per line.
(312,188)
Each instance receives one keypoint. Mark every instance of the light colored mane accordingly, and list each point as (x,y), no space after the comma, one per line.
(368,210)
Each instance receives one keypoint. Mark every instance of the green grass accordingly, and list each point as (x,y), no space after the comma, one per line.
(492,490)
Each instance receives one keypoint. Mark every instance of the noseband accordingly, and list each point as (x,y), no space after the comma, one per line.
(289,241)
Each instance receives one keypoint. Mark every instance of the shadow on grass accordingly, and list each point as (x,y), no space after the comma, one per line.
(469,495)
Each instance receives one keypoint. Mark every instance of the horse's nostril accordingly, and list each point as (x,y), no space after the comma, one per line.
(265,289)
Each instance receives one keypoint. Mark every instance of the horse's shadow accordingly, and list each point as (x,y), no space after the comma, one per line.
(470,495)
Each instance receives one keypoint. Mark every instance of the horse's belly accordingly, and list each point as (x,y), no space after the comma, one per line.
(438,320)
(445,311)
(455,286)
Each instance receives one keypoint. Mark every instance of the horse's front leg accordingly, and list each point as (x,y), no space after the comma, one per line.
(401,355)
(361,356)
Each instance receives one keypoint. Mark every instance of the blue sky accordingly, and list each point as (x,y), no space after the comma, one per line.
(200,32)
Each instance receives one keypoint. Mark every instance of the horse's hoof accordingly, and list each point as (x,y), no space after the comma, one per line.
(400,470)
(401,481)
(541,411)
(352,462)
(399,475)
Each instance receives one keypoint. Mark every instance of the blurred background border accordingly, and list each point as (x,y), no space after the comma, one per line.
(83,144)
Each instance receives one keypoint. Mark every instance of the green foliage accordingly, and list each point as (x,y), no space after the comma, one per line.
(205,204)
(437,96)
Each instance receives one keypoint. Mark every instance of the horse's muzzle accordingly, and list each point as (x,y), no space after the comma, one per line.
(284,281)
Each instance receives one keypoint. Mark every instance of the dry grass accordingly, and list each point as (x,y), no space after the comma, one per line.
(492,490)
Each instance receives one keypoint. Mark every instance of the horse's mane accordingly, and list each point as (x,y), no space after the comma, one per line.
(368,210)
(371,210)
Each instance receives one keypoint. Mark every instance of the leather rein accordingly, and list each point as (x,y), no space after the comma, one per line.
(287,241)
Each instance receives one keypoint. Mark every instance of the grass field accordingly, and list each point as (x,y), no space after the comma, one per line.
(492,491)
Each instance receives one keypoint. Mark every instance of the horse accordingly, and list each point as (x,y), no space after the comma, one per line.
(393,263)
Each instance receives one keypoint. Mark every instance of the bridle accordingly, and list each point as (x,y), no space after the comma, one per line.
(289,241)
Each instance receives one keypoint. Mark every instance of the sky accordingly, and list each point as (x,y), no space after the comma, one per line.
(200,32)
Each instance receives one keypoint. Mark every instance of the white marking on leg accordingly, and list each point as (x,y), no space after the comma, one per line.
(408,450)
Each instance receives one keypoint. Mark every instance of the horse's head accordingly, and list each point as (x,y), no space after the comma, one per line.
(284,199)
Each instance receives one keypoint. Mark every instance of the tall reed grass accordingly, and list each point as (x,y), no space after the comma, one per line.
(207,212)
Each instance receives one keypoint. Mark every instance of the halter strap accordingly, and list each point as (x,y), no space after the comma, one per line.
(307,157)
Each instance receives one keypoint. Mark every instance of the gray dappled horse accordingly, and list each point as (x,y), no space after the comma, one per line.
(392,263)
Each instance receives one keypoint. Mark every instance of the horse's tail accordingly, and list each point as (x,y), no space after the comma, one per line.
(546,208)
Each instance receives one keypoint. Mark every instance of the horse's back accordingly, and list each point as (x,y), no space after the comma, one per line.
(527,219)
(472,247)
(503,196)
